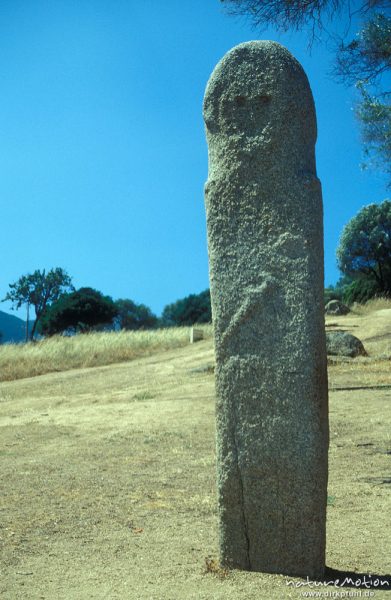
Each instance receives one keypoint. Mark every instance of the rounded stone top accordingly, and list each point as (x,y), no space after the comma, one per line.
(259,89)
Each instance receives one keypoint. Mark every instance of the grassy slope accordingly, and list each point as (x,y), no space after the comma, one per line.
(88,350)
(96,349)
(108,479)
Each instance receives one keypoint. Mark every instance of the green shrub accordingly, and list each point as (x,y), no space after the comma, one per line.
(361,290)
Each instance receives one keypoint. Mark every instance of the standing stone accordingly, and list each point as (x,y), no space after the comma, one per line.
(265,239)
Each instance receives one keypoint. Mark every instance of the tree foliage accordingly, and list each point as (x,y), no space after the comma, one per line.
(313,16)
(78,312)
(362,62)
(364,250)
(375,116)
(133,316)
(193,309)
(40,290)
(360,290)
(368,55)
(332,293)
(283,15)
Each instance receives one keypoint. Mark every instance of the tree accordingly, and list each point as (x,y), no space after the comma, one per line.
(313,16)
(193,309)
(133,316)
(78,311)
(40,290)
(368,55)
(375,118)
(285,15)
(360,290)
(361,61)
(364,251)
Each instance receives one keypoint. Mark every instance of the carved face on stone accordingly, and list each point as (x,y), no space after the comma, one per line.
(258,90)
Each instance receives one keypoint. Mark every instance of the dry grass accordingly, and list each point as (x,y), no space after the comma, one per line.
(371,306)
(60,353)
(108,485)
(370,323)
(108,476)
(213,566)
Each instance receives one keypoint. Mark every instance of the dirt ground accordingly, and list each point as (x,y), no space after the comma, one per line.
(108,480)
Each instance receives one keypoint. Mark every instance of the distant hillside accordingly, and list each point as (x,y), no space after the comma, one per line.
(11,328)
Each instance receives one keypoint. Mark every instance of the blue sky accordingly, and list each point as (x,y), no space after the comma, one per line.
(102,142)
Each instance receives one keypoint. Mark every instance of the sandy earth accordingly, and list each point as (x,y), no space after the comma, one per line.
(108,482)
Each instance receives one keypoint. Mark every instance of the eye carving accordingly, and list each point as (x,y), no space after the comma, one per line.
(262,100)
(258,102)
